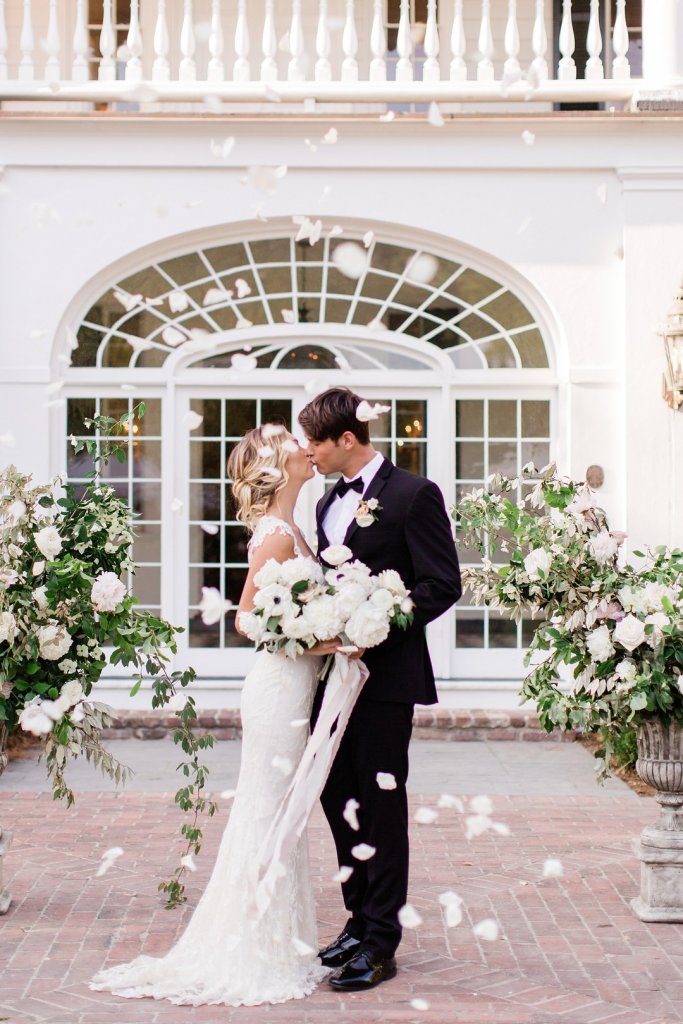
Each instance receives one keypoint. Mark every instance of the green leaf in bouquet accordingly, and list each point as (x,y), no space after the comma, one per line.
(300,587)
(31,668)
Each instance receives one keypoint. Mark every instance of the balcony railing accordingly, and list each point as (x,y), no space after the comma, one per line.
(466,50)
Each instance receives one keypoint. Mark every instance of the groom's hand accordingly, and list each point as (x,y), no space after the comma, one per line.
(325,647)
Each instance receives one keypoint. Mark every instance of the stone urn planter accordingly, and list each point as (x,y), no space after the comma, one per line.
(660,764)
(5,837)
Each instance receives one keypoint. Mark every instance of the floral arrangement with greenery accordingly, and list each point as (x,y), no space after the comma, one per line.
(62,602)
(607,651)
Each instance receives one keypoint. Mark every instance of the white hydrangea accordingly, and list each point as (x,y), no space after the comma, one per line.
(8,627)
(599,644)
(626,670)
(53,641)
(300,568)
(107,592)
(268,574)
(383,599)
(49,542)
(368,626)
(349,597)
(322,617)
(603,547)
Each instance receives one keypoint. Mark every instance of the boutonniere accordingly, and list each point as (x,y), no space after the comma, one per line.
(367,512)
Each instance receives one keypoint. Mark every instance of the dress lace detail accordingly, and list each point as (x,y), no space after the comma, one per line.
(268,525)
(229,953)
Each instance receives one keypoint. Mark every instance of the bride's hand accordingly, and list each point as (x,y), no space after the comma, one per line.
(325,647)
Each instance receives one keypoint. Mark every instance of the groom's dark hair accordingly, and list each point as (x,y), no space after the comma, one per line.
(333,413)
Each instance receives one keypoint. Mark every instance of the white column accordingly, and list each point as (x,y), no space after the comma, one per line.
(458,45)
(594,68)
(240,70)
(539,44)
(269,45)
(187,70)
(431,72)
(79,68)
(216,71)
(134,44)
(349,68)
(323,68)
(161,71)
(107,68)
(486,48)
(511,69)
(566,70)
(662,41)
(52,70)
(378,45)
(3,43)
(295,70)
(26,45)
(620,65)
(404,45)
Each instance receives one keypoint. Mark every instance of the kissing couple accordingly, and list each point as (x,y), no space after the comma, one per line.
(230,953)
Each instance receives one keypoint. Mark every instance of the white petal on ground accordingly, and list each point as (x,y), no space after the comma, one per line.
(243,289)
(188,862)
(601,192)
(419,1004)
(501,828)
(302,948)
(350,259)
(178,301)
(487,929)
(435,117)
(283,764)
(452,802)
(452,904)
(343,874)
(265,451)
(422,268)
(408,917)
(288,316)
(368,238)
(349,814)
(172,336)
(363,851)
(476,825)
(176,505)
(481,805)
(366,412)
(108,859)
(228,794)
(552,868)
(330,137)
(425,816)
(210,528)
(192,420)
(528,137)
(385,780)
(243,363)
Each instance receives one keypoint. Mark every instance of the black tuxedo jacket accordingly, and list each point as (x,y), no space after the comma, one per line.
(412,535)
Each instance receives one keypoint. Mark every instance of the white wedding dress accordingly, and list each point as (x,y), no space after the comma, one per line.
(229,953)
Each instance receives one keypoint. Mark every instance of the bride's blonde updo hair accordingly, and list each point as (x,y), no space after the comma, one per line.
(256,475)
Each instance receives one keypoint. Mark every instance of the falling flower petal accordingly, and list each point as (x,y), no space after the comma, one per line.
(366,412)
(228,794)
(425,816)
(313,386)
(272,430)
(213,606)
(528,137)
(177,702)
(524,224)
(368,238)
(172,336)
(221,150)
(343,874)
(243,289)
(264,179)
(290,446)
(56,385)
(176,505)
(8,439)
(243,322)
(302,948)
(422,268)
(330,137)
(419,1004)
(188,862)
(288,316)
(349,814)
(325,193)
(408,917)
(178,301)
(283,764)
(210,528)
(385,780)
(128,302)
(271,95)
(476,825)
(108,859)
(601,192)
(192,420)
(265,451)
(363,851)
(243,363)
(335,230)
(297,723)
(453,802)
(486,929)
(37,333)
(215,295)
(311,145)
(435,117)
(552,868)
(272,471)
(350,259)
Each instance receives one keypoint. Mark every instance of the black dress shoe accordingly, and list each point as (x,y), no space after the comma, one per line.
(339,952)
(363,972)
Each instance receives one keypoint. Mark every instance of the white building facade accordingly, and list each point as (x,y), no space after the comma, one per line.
(517,261)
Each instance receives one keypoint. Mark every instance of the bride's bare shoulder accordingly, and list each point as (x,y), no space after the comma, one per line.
(272,538)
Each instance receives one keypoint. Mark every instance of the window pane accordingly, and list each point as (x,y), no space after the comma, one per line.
(411,419)
(147,543)
(147,459)
(240,416)
(204,547)
(502,419)
(236,540)
(537,452)
(146,585)
(503,458)
(205,501)
(502,632)
(210,409)
(79,409)
(234,582)
(469,418)
(150,424)
(412,456)
(469,460)
(203,576)
(202,635)
(205,459)
(535,419)
(469,629)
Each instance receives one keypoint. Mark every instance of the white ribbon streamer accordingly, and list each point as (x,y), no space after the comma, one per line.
(341,693)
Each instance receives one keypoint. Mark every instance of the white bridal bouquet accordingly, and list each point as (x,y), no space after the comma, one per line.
(299,604)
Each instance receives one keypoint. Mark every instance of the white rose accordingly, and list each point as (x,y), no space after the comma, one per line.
(392,581)
(40,597)
(268,573)
(336,554)
(407,605)
(653,595)
(538,560)
(603,547)
(348,597)
(322,617)
(294,626)
(67,666)
(71,692)
(8,627)
(626,670)
(368,626)
(630,632)
(365,519)
(49,542)
(599,643)
(54,641)
(107,592)
(384,599)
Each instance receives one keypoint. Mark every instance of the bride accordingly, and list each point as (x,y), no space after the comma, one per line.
(228,953)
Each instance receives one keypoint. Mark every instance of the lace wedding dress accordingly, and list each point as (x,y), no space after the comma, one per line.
(231,953)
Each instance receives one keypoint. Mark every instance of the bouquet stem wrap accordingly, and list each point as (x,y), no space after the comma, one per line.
(341,693)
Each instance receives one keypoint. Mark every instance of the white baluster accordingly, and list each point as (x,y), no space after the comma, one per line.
(295,71)
(4,72)
(404,45)
(269,45)
(431,72)
(323,68)
(378,45)
(134,44)
(26,45)
(511,69)
(458,45)
(594,68)
(107,69)
(566,70)
(349,69)
(216,70)
(161,71)
(486,48)
(539,44)
(187,69)
(79,68)
(52,70)
(240,69)
(620,65)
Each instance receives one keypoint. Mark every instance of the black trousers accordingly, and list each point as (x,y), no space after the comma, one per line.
(376,740)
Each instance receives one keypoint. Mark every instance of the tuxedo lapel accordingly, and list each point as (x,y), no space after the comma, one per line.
(377,484)
(321,509)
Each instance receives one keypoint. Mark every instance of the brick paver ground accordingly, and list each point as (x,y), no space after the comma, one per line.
(570,951)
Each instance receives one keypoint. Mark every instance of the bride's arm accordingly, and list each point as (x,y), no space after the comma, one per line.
(279,546)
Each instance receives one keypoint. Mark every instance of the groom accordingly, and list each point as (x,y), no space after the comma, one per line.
(410,532)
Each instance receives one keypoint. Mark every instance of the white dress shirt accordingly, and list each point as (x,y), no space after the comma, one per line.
(339,514)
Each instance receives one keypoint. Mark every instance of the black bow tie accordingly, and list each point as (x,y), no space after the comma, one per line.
(341,486)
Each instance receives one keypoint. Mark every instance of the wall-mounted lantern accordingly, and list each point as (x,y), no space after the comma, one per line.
(672,333)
